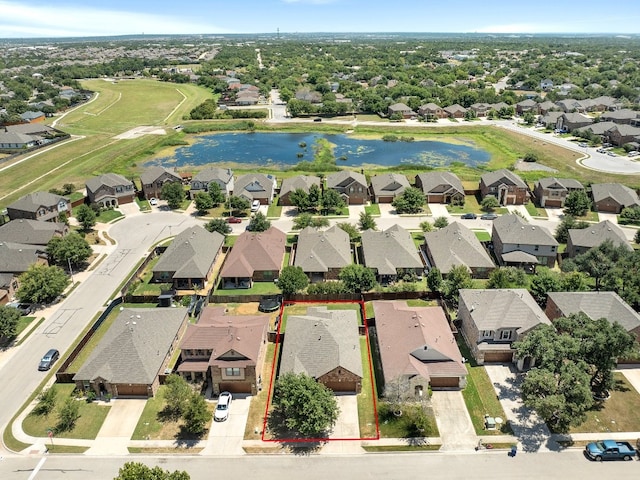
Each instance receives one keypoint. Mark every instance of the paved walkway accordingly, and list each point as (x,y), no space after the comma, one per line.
(521,209)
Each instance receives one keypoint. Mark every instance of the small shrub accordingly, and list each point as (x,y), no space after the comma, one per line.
(91,396)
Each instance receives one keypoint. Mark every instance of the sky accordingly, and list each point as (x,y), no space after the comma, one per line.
(77,18)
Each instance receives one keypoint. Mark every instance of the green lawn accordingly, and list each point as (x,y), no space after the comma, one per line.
(147,287)
(535,211)
(590,217)
(366,412)
(143,205)
(107,216)
(482,235)
(470,205)
(23,323)
(479,395)
(418,238)
(87,426)
(258,288)
(274,210)
(373,209)
(403,426)
(287,256)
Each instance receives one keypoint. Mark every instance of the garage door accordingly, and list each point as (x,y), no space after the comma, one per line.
(498,357)
(444,382)
(132,390)
(553,203)
(236,387)
(341,386)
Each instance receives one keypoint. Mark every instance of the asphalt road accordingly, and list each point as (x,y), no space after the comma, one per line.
(475,465)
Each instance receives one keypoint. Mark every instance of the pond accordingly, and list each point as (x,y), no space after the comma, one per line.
(281,150)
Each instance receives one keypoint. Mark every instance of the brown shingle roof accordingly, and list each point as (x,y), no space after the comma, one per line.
(252,252)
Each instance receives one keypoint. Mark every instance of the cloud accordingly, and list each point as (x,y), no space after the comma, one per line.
(19,20)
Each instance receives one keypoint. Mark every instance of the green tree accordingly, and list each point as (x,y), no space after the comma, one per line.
(332,202)
(68,188)
(219,225)
(305,220)
(315,196)
(292,280)
(176,395)
(86,217)
(574,282)
(196,414)
(173,193)
(529,118)
(238,204)
(489,203)
(577,204)
(259,223)
(71,249)
(426,226)
(636,237)
(203,202)
(216,193)
(300,199)
(367,222)
(9,318)
(68,415)
(41,284)
(507,277)
(46,401)
(139,471)
(434,280)
(599,262)
(357,278)
(543,282)
(457,278)
(440,222)
(305,407)
(568,223)
(411,201)
(354,234)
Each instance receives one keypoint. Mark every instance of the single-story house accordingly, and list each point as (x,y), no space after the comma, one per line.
(506,186)
(390,253)
(417,350)
(154,178)
(571,121)
(188,262)
(42,206)
(613,197)
(580,240)
(254,257)
(133,353)
(31,232)
(352,186)
(492,319)
(302,182)
(518,243)
(527,105)
(226,350)
(388,186)
(325,345)
(456,245)
(323,254)
(553,192)
(440,187)
(110,190)
(16,258)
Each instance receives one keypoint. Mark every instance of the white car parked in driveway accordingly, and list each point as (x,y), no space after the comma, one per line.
(222,409)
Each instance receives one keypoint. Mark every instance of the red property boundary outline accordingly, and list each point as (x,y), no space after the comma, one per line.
(273,371)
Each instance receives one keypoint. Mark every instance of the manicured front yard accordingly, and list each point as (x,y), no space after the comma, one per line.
(87,426)
(274,210)
(147,287)
(535,211)
(620,413)
(373,209)
(107,216)
(401,423)
(482,235)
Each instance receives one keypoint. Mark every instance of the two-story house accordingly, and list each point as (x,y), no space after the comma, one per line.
(154,178)
(226,350)
(552,192)
(352,186)
(400,109)
(388,186)
(256,186)
(42,206)
(440,187)
(581,240)
(291,184)
(506,186)
(517,243)
(492,319)
(222,176)
(110,190)
(431,111)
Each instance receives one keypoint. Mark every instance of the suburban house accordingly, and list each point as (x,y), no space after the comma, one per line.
(325,345)
(323,254)
(552,192)
(154,178)
(8,287)
(432,111)
(226,350)
(546,84)
(569,122)
(506,186)
(440,187)
(255,257)
(222,176)
(456,245)
(455,111)
(527,106)
(517,243)
(613,197)
(352,186)
(546,106)
(302,182)
(133,353)
(110,190)
(580,240)
(390,253)
(16,258)
(622,116)
(188,262)
(386,187)
(599,128)
(550,119)
(256,186)
(42,206)
(492,319)
(595,305)
(31,232)
(480,109)
(401,109)
(620,135)
(32,117)
(417,350)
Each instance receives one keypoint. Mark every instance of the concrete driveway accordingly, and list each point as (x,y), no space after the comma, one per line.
(453,420)
(129,208)
(612,217)
(632,374)
(346,432)
(225,438)
(118,427)
(438,210)
(528,428)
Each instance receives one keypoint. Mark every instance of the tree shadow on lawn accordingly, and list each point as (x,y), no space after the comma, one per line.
(187,439)
(291,440)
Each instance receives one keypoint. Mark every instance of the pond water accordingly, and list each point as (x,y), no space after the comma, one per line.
(281,150)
